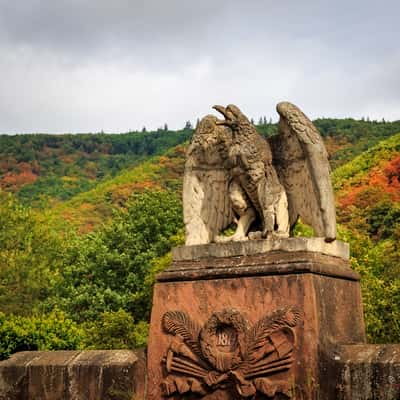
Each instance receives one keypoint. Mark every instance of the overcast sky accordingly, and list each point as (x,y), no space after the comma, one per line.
(117,65)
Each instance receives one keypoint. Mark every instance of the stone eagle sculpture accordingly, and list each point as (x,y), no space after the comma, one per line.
(233,174)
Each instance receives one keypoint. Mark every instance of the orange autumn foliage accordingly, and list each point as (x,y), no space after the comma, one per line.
(67,159)
(22,174)
(121,194)
(14,181)
(392,172)
(333,144)
(380,183)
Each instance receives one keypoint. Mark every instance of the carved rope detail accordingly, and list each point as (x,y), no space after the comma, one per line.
(229,354)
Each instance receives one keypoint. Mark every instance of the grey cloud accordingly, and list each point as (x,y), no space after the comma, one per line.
(73,25)
(70,65)
(129,26)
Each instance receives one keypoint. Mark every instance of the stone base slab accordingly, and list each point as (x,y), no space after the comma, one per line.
(270,263)
(74,375)
(336,248)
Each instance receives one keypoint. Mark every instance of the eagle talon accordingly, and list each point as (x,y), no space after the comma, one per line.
(267,234)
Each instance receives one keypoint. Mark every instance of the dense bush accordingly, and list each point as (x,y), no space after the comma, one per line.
(51,332)
(116,330)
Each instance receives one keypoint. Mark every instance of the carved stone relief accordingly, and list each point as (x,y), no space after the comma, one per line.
(228,354)
(234,175)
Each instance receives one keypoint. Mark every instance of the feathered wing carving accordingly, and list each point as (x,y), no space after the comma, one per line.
(178,323)
(270,344)
(259,333)
(206,204)
(302,163)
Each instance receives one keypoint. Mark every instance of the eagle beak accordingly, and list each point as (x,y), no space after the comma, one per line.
(223,111)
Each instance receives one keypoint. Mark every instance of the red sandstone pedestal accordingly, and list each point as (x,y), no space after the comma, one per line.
(256,319)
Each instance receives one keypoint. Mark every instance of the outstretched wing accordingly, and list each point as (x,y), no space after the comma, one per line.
(206,205)
(302,163)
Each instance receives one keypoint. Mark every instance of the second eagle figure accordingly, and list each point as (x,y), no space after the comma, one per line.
(264,186)
(254,188)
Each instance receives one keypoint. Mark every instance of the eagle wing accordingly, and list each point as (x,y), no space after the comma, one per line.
(302,164)
(206,205)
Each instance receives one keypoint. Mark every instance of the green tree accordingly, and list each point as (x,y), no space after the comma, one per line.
(107,270)
(30,255)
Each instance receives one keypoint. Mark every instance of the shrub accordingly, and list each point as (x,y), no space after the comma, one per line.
(42,332)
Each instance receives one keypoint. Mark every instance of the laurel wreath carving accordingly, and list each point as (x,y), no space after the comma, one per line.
(228,318)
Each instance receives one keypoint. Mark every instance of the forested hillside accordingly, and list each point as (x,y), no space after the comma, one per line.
(46,169)
(43,169)
(368,210)
(77,265)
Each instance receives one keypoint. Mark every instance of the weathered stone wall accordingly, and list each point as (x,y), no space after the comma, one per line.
(368,372)
(74,375)
(352,372)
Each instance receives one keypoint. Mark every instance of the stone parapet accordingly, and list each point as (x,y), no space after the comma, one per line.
(363,372)
(74,375)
